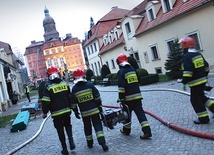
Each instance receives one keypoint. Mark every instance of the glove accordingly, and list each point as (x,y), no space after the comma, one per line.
(44,116)
(77,115)
(100,109)
(184,87)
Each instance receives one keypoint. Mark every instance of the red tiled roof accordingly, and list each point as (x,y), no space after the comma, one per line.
(114,14)
(6,46)
(139,9)
(179,8)
(106,23)
(71,41)
(115,43)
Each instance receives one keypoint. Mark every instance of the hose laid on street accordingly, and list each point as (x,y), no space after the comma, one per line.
(168,124)
(29,140)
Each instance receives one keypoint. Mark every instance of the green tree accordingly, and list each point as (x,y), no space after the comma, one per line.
(89,73)
(105,71)
(133,62)
(174,61)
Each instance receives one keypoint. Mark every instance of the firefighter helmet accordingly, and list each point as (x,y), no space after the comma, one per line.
(121,58)
(187,42)
(52,73)
(78,73)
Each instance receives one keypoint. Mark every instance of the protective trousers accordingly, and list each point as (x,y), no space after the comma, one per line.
(136,106)
(97,124)
(199,102)
(59,123)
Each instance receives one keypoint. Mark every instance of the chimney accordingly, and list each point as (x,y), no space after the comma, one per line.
(114,7)
(33,42)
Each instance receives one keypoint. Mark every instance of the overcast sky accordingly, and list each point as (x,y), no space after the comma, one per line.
(22,20)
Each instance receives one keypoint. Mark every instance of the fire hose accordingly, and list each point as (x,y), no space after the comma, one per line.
(168,124)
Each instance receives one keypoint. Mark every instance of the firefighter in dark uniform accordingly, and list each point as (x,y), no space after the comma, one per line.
(195,71)
(56,99)
(86,96)
(130,95)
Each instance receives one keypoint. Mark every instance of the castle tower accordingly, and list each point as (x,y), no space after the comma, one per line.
(49,27)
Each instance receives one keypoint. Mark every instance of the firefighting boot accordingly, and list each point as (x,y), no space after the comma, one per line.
(63,142)
(90,143)
(147,133)
(125,132)
(70,137)
(105,147)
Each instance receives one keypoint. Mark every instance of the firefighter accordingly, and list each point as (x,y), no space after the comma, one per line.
(130,95)
(195,71)
(27,92)
(56,99)
(87,97)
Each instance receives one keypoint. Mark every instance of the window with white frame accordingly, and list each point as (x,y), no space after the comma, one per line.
(195,35)
(88,49)
(154,52)
(151,15)
(49,62)
(110,39)
(105,42)
(92,51)
(135,55)
(169,45)
(61,61)
(95,47)
(56,62)
(146,57)
(112,63)
(128,30)
(166,4)
(116,35)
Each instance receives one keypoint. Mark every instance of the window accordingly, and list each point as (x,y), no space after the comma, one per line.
(112,63)
(107,63)
(88,49)
(49,63)
(166,6)
(110,39)
(135,55)
(105,41)
(59,49)
(116,35)
(128,29)
(95,47)
(56,62)
(151,15)
(146,58)
(195,35)
(169,45)
(154,52)
(158,70)
(92,49)
(47,52)
(53,51)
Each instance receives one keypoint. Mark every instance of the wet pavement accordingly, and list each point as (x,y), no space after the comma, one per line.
(171,106)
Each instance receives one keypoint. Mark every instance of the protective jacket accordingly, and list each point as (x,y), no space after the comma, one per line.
(128,84)
(195,68)
(56,98)
(87,97)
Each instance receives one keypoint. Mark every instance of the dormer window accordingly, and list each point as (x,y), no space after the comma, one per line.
(105,42)
(167,5)
(116,35)
(152,9)
(151,14)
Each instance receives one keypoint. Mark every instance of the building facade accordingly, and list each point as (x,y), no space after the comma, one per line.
(65,54)
(147,31)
